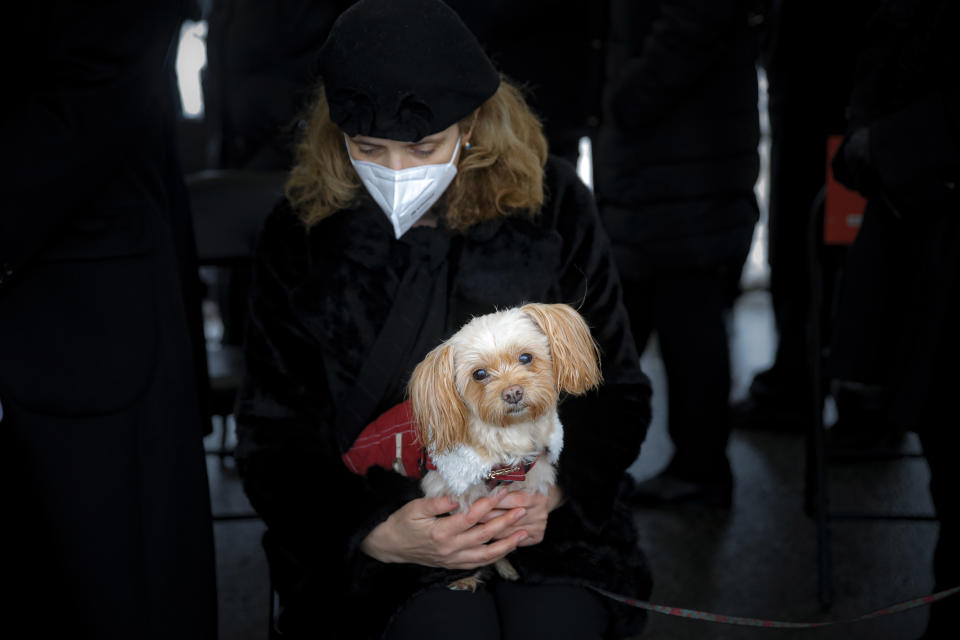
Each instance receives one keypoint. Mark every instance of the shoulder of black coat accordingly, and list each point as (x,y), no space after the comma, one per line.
(568,200)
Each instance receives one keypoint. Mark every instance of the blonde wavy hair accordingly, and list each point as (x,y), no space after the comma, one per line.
(500,175)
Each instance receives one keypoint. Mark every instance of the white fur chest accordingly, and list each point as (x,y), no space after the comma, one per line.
(463,472)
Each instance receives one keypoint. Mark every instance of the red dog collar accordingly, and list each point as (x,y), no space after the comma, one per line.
(504,474)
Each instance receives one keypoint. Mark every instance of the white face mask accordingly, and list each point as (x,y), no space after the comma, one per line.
(406,194)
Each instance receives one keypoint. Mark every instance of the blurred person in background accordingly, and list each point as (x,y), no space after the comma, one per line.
(808,52)
(898,308)
(676,164)
(106,504)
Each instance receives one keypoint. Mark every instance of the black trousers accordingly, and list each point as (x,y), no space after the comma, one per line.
(938,434)
(504,610)
(687,309)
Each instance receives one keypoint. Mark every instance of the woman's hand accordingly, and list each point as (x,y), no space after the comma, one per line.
(538,507)
(416,533)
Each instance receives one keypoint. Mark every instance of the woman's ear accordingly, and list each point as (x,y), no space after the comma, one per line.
(437,406)
(576,359)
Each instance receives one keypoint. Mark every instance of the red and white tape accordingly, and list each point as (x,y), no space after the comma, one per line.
(774,624)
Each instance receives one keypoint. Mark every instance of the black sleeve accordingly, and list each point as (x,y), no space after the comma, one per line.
(603,430)
(911,179)
(287,453)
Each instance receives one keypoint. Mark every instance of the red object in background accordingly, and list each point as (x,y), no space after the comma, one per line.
(842,207)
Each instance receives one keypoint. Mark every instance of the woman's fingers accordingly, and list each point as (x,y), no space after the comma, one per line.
(415,533)
(534,534)
(493,513)
(484,554)
(479,509)
(459,522)
(433,507)
(492,530)
(524,499)
(488,530)
(534,523)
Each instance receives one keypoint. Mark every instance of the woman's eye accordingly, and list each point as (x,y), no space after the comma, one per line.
(526,358)
(479,374)
(423,153)
(368,151)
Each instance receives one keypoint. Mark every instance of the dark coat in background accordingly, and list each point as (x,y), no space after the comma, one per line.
(106,505)
(676,159)
(261,75)
(322,302)
(900,269)
(554,49)
(898,312)
(809,53)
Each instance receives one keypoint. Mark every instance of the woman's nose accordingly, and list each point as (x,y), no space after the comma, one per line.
(397,161)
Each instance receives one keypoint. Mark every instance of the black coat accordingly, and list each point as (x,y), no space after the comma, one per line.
(676,158)
(319,300)
(103,471)
(262,64)
(896,312)
(555,49)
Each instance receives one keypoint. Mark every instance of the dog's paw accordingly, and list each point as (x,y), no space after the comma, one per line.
(506,570)
(470,583)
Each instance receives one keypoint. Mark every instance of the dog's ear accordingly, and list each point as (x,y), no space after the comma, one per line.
(440,412)
(576,359)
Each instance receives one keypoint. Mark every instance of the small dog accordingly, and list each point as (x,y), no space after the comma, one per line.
(486,404)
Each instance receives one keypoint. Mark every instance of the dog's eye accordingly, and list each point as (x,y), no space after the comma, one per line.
(526,358)
(479,374)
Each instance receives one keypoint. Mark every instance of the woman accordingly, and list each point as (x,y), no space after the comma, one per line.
(423,195)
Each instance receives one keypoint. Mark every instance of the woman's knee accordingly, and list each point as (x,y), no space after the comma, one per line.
(440,613)
(550,611)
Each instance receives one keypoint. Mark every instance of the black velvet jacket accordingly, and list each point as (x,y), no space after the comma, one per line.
(319,300)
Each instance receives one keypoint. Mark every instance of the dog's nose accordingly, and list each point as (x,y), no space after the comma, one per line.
(512,394)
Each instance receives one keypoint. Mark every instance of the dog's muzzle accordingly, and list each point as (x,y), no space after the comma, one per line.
(512,395)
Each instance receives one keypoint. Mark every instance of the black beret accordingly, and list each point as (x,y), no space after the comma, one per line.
(403,69)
